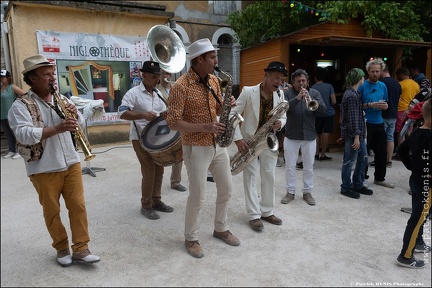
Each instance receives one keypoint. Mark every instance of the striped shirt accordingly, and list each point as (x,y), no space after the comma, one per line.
(192,101)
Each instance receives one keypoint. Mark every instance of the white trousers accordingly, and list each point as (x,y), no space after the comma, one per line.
(265,166)
(291,152)
(198,160)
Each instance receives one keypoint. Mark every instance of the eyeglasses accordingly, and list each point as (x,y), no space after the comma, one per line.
(48,75)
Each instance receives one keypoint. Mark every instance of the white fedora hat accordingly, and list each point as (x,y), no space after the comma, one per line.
(200,47)
(34,62)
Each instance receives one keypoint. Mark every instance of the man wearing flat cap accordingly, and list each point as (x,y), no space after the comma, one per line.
(141,105)
(44,128)
(255,104)
(194,103)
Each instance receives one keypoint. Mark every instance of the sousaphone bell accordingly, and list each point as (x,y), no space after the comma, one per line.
(167,48)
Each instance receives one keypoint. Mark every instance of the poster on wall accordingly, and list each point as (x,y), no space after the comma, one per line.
(95,66)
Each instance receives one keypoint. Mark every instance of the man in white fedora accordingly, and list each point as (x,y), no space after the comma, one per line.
(44,131)
(195,101)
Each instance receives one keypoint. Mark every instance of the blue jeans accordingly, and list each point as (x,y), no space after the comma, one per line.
(351,156)
(9,135)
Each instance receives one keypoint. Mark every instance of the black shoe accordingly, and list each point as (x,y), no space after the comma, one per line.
(210,179)
(351,193)
(372,164)
(422,248)
(396,157)
(325,158)
(364,191)
(162,207)
(299,166)
(150,213)
(410,263)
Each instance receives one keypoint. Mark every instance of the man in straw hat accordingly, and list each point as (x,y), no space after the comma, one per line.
(195,101)
(141,105)
(51,159)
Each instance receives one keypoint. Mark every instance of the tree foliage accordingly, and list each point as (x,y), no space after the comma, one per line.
(265,20)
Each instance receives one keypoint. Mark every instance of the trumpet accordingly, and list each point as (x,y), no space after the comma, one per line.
(311,104)
(78,134)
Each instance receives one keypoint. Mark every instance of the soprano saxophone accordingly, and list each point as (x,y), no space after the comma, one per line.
(263,139)
(78,134)
(225,139)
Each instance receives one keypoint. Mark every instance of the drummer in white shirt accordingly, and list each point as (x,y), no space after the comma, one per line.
(141,105)
(164,87)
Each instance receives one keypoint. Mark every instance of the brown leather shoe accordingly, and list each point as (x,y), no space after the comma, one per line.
(256,224)
(85,256)
(227,237)
(273,220)
(194,249)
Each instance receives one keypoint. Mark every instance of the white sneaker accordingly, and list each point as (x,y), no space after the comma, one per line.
(16,156)
(366,183)
(9,155)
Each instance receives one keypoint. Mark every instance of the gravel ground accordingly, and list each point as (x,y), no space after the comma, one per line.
(338,242)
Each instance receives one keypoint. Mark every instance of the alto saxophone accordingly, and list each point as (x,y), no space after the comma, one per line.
(78,134)
(225,139)
(263,139)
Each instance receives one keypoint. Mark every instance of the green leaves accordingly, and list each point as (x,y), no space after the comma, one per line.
(265,20)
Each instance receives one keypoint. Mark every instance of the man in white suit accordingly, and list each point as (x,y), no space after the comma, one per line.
(255,102)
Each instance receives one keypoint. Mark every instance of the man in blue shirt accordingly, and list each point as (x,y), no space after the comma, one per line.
(374,97)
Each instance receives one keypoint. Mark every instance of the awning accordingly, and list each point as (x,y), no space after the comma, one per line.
(360,42)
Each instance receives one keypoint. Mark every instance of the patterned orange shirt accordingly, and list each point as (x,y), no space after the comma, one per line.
(193,102)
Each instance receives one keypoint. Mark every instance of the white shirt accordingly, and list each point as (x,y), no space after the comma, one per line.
(59,152)
(138,99)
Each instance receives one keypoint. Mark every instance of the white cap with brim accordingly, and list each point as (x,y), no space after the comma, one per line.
(34,62)
(200,47)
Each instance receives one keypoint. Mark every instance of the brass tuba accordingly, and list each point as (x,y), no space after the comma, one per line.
(78,134)
(167,48)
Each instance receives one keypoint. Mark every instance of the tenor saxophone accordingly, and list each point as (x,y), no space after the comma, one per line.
(225,139)
(78,134)
(263,139)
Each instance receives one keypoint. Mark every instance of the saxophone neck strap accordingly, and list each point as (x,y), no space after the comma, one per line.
(56,108)
(207,85)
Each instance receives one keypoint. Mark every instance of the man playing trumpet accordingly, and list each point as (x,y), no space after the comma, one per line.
(300,134)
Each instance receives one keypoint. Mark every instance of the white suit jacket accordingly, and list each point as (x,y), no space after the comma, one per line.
(248,104)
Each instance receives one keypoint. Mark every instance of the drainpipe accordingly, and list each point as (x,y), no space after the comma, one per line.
(4,32)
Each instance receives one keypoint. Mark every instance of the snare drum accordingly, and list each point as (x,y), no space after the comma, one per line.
(163,144)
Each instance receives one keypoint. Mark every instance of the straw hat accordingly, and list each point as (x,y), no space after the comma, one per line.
(34,62)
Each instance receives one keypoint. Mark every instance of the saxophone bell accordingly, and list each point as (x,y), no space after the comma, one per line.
(263,139)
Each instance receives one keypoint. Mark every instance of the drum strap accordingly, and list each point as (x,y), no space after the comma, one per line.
(157,93)
(136,128)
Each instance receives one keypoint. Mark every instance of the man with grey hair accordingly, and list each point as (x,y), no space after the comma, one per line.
(374,96)
(300,134)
